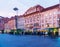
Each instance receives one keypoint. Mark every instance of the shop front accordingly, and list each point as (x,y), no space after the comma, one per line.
(53,31)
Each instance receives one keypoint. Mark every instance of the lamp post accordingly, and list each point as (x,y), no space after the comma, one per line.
(16,9)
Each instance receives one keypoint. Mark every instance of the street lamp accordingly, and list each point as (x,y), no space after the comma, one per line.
(16,9)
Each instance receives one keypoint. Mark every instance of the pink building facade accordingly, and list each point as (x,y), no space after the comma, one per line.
(38,17)
(10,25)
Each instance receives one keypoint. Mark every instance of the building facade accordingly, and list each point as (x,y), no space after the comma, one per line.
(49,17)
(1,23)
(10,25)
(32,18)
(20,22)
(38,17)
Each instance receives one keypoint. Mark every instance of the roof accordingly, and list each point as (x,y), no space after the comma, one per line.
(43,9)
(31,14)
(34,9)
(51,7)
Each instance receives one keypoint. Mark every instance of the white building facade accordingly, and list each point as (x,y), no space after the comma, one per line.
(20,22)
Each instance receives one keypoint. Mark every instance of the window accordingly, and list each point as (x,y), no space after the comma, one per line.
(59,25)
(54,24)
(30,20)
(36,24)
(46,21)
(49,17)
(42,25)
(54,16)
(42,21)
(25,21)
(34,19)
(37,16)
